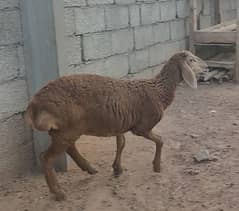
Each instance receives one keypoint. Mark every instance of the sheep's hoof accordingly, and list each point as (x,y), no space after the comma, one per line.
(118,172)
(156,166)
(92,171)
(157,169)
(60,196)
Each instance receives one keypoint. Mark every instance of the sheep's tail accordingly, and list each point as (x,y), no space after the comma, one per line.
(39,119)
(28,115)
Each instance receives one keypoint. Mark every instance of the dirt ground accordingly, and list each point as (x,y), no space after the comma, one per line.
(207,118)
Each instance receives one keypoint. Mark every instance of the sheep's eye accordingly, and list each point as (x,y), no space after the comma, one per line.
(191,60)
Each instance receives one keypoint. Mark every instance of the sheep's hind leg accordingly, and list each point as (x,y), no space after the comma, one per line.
(47,159)
(80,161)
(159,144)
(120,141)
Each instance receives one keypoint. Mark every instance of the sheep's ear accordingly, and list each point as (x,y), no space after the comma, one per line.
(189,76)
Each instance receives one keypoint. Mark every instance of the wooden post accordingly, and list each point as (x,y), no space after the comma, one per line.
(217,13)
(193,24)
(43,34)
(236,69)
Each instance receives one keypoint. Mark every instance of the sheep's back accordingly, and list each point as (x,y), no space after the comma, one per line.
(94,104)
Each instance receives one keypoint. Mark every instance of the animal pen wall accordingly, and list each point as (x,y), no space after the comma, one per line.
(117,38)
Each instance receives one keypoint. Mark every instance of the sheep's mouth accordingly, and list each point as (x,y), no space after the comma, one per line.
(200,66)
(203,66)
(203,69)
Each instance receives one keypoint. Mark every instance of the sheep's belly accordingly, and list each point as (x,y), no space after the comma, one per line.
(104,127)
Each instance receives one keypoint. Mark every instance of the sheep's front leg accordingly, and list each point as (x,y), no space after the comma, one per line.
(120,142)
(159,144)
(47,159)
(80,161)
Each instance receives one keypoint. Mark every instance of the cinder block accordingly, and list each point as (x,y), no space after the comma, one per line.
(105,44)
(225,5)
(74,3)
(16,148)
(69,19)
(149,72)
(134,15)
(187,26)
(9,4)
(122,41)
(116,17)
(97,2)
(182,8)
(8,63)
(10,27)
(161,32)
(150,13)
(73,50)
(145,74)
(199,7)
(147,1)
(183,44)
(92,67)
(205,21)
(156,54)
(14,94)
(97,45)
(207,7)
(178,30)
(125,1)
(144,36)
(89,20)
(233,4)
(139,60)
(115,66)
(171,48)
(168,10)
(228,15)
(21,62)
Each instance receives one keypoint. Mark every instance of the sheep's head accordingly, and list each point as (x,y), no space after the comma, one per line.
(190,66)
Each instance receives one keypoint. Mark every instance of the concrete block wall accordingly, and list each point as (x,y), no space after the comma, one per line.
(228,9)
(122,37)
(16,151)
(205,10)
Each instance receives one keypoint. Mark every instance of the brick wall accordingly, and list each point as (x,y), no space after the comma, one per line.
(16,154)
(122,37)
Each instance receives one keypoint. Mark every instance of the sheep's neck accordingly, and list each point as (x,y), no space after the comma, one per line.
(166,82)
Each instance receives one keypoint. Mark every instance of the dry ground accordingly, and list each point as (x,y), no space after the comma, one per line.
(188,126)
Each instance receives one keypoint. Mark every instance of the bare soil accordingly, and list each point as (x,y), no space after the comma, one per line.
(207,118)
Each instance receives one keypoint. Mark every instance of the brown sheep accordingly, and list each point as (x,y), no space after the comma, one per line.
(76,105)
